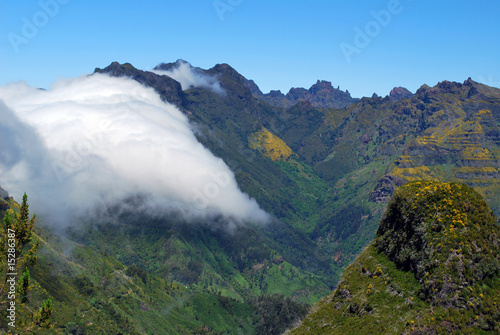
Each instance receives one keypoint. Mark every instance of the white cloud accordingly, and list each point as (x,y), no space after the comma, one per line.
(190,77)
(99,139)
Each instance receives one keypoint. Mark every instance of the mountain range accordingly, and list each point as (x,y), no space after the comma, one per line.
(324,165)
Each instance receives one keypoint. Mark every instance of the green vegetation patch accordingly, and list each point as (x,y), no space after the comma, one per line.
(432,269)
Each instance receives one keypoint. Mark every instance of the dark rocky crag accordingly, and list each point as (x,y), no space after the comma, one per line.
(322,94)
(169,89)
(398,93)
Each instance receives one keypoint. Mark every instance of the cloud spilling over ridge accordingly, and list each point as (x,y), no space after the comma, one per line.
(99,139)
(190,77)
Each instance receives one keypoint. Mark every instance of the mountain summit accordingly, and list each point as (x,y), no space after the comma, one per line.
(322,94)
(398,93)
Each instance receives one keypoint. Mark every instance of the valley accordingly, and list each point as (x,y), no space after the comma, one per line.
(322,164)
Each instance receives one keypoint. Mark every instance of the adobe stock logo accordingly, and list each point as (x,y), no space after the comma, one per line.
(30,28)
(223,6)
(372,29)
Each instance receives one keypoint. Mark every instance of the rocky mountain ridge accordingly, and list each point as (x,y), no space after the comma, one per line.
(322,94)
(448,132)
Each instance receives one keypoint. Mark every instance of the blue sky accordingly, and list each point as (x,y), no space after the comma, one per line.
(280,44)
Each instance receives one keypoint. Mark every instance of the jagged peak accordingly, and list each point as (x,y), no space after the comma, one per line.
(470,82)
(171,66)
(223,67)
(275,93)
(168,88)
(399,93)
(228,71)
(446,85)
(466,90)
(114,66)
(423,88)
(253,87)
(321,85)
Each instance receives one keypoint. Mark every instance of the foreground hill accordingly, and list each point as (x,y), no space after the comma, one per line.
(432,269)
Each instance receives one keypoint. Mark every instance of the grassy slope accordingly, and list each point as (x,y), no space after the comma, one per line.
(93,294)
(396,287)
(446,133)
(240,265)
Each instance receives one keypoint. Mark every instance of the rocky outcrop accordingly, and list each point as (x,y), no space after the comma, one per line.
(322,94)
(3,194)
(385,188)
(398,93)
(446,234)
(169,89)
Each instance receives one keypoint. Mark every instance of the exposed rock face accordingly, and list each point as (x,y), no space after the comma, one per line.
(253,87)
(398,93)
(3,196)
(297,93)
(385,188)
(3,193)
(322,94)
(169,89)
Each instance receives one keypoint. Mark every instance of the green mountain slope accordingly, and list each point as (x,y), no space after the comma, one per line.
(226,125)
(325,174)
(93,292)
(242,264)
(446,133)
(331,193)
(433,269)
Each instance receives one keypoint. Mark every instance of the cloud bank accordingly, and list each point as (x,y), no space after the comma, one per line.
(190,77)
(97,140)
